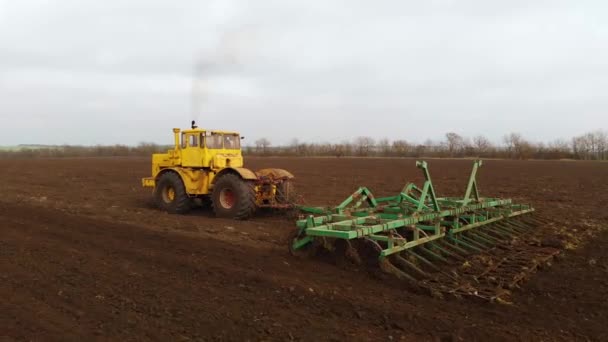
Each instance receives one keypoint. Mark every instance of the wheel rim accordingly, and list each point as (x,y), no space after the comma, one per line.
(169,194)
(227,198)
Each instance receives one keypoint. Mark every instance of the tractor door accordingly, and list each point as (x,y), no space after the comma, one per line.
(192,153)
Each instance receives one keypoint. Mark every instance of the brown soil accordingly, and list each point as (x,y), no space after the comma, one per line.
(83,254)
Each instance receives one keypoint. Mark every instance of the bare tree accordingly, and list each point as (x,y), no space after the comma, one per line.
(401,148)
(558,149)
(602,145)
(385,147)
(364,145)
(455,143)
(262,144)
(481,144)
(297,148)
(593,145)
(511,142)
(517,146)
(599,144)
(344,148)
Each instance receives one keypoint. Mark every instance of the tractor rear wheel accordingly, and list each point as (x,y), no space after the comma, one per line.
(233,197)
(170,194)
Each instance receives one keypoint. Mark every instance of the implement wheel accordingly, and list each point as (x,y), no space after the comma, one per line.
(170,194)
(285,192)
(233,197)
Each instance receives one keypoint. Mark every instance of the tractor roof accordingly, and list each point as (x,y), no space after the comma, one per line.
(201,130)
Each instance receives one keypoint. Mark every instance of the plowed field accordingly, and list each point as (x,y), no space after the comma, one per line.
(85,255)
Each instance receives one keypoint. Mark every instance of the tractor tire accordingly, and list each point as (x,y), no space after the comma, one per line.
(170,194)
(233,197)
(285,192)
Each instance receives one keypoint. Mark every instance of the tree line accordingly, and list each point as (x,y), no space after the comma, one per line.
(589,146)
(56,151)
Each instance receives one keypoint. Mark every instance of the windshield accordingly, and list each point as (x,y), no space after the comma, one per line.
(232,141)
(213,141)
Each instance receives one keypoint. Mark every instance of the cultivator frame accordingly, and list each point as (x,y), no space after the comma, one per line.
(416,230)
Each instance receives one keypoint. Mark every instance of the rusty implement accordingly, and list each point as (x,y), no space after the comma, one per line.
(468,246)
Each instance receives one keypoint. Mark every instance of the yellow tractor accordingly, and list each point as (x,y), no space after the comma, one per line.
(208,164)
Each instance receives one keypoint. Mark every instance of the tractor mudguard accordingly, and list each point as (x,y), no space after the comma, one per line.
(274,174)
(243,172)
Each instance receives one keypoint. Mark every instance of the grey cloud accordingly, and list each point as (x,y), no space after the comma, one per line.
(327,70)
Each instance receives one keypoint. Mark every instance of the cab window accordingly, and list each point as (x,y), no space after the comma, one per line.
(189,140)
(214,140)
(231,141)
(193,141)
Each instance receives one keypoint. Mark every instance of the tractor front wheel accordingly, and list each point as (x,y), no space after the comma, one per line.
(170,194)
(233,197)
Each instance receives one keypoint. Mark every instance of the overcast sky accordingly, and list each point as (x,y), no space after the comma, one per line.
(107,72)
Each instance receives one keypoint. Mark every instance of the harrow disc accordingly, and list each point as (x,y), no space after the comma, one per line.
(305,251)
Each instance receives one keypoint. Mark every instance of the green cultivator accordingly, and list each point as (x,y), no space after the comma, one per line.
(469,246)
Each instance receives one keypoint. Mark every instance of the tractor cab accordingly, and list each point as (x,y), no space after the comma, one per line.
(208,148)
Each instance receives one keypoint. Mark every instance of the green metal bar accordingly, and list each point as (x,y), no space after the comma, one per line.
(426,227)
(408,245)
(425,191)
(475,225)
(427,175)
(388,199)
(472,185)
(299,243)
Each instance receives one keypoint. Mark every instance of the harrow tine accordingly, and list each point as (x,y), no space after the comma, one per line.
(533,221)
(454,247)
(513,231)
(509,226)
(488,237)
(388,267)
(528,221)
(461,241)
(498,233)
(408,264)
(540,220)
(477,236)
(479,245)
(520,225)
(424,261)
(432,254)
(447,252)
(525,221)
